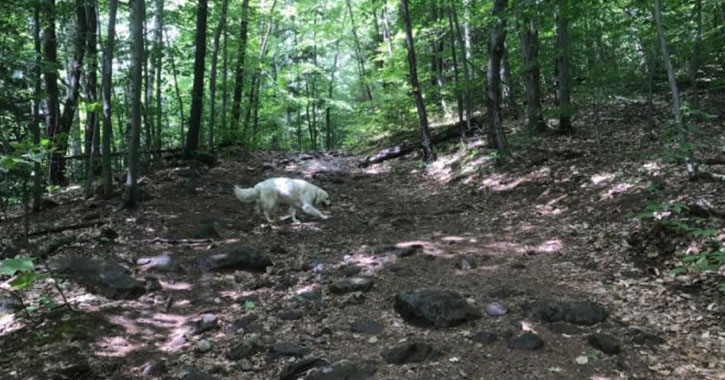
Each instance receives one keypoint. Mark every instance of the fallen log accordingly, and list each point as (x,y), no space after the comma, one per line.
(450,131)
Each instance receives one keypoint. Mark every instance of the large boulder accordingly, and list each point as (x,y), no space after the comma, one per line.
(106,278)
(239,258)
(434,308)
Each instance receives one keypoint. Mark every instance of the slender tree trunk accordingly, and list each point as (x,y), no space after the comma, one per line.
(106,85)
(562,43)
(197,97)
(212,76)
(59,134)
(225,87)
(138,13)
(697,46)
(299,130)
(529,36)
(330,90)
(37,92)
(507,86)
(239,72)
(158,63)
(493,80)
(148,90)
(682,132)
(467,97)
(415,84)
(359,55)
(386,31)
(178,92)
(454,58)
(92,92)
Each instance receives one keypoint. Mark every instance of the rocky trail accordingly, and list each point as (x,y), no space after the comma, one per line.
(418,274)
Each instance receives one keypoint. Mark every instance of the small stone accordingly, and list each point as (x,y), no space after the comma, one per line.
(408,353)
(349,285)
(203,345)
(290,315)
(465,263)
(484,337)
(527,341)
(495,309)
(606,343)
(154,368)
(206,323)
(279,350)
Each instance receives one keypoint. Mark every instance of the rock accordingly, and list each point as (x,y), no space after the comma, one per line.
(245,349)
(240,258)
(579,313)
(206,231)
(495,309)
(101,277)
(605,343)
(349,285)
(351,270)
(366,326)
(435,308)
(294,370)
(290,315)
(162,263)
(484,337)
(342,370)
(315,265)
(193,373)
(408,353)
(310,295)
(527,341)
(203,345)
(279,350)
(402,271)
(644,338)
(155,368)
(584,313)
(564,328)
(465,263)
(207,322)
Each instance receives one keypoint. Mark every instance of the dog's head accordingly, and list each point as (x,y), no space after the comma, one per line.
(322,198)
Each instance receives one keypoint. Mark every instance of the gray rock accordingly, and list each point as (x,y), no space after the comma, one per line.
(349,285)
(206,323)
(408,353)
(495,309)
(484,337)
(239,258)
(294,370)
(162,263)
(154,368)
(101,277)
(527,341)
(465,263)
(606,343)
(366,326)
(203,345)
(342,370)
(279,350)
(434,308)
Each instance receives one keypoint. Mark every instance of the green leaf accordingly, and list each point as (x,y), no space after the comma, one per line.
(678,271)
(248,305)
(9,267)
(23,281)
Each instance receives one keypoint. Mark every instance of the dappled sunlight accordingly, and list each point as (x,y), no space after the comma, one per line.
(504,182)
(549,246)
(375,169)
(180,285)
(116,346)
(652,167)
(427,247)
(602,178)
(616,189)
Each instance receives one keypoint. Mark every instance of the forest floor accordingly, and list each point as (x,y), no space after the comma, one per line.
(557,223)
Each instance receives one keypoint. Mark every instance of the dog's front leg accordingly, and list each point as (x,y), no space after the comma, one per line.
(308,208)
(293,214)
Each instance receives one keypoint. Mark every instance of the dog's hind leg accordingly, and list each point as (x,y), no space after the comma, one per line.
(309,209)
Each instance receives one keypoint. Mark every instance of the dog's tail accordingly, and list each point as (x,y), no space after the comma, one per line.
(246,195)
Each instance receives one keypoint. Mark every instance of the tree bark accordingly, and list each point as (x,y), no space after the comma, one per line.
(454,59)
(212,76)
(59,134)
(415,84)
(93,140)
(529,36)
(225,69)
(178,92)
(330,90)
(158,63)
(239,72)
(682,131)
(197,96)
(359,55)
(564,78)
(467,97)
(697,45)
(493,80)
(138,13)
(38,93)
(106,85)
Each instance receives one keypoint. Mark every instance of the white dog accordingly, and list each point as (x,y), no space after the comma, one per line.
(294,193)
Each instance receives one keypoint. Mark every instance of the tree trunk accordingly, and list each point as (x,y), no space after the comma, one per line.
(415,84)
(158,63)
(467,97)
(682,131)
(330,90)
(59,134)
(148,90)
(507,86)
(529,35)
(697,46)
(106,85)
(212,76)
(225,87)
(178,92)
(564,78)
(92,93)
(493,80)
(37,95)
(359,55)
(239,72)
(197,96)
(386,31)
(454,58)
(138,13)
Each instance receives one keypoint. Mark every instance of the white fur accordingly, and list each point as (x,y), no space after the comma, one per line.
(295,193)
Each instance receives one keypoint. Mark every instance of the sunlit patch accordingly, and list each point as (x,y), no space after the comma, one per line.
(428,247)
(547,210)
(377,169)
(454,239)
(652,167)
(549,246)
(617,189)
(176,285)
(115,347)
(601,178)
(8,324)
(501,182)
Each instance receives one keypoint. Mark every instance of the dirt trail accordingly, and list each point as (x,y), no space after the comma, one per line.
(516,240)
